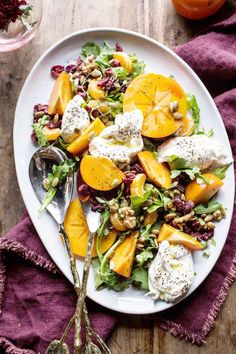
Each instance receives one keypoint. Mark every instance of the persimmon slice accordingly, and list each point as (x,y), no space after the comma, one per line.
(77,230)
(187,127)
(61,94)
(152,94)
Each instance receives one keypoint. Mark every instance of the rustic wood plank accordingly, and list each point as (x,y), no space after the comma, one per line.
(156,18)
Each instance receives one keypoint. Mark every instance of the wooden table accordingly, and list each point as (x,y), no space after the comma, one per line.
(157,19)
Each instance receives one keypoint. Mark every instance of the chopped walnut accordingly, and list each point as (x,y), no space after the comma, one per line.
(122,218)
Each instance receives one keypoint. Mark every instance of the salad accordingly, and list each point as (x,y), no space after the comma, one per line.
(134,140)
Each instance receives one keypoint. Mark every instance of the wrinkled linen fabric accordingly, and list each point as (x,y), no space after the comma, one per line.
(36,300)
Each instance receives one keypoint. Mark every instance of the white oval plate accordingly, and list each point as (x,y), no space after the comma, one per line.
(37,89)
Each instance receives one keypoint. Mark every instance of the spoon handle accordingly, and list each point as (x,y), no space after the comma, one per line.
(73,268)
(80,303)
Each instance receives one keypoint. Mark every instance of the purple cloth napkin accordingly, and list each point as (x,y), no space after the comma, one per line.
(36,300)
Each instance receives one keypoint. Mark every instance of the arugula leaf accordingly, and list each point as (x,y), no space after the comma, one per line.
(90,48)
(221,171)
(137,202)
(142,257)
(192,172)
(208,208)
(55,179)
(108,278)
(137,67)
(140,278)
(193,106)
(37,127)
(96,267)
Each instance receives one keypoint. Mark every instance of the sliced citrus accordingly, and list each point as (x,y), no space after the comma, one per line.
(152,94)
(187,127)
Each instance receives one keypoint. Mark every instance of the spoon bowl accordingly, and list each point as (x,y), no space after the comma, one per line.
(40,165)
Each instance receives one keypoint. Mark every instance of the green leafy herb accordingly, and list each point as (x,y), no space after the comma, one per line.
(193,106)
(55,179)
(160,201)
(105,275)
(140,278)
(213,241)
(148,145)
(138,66)
(220,172)
(176,162)
(121,73)
(62,144)
(207,253)
(105,219)
(37,127)
(201,131)
(192,172)
(105,56)
(145,255)
(209,208)
(137,202)
(90,48)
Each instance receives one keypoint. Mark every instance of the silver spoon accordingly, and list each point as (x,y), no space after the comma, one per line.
(39,167)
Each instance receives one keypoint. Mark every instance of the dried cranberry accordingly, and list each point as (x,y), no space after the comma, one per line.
(10,10)
(88,109)
(129,176)
(123,88)
(108,72)
(83,95)
(70,68)
(95,113)
(79,61)
(41,108)
(34,137)
(188,206)
(84,190)
(181,206)
(96,206)
(110,85)
(114,63)
(137,167)
(195,225)
(80,89)
(118,47)
(56,70)
(102,83)
(52,125)
(203,236)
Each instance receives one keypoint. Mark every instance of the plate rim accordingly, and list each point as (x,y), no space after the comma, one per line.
(202,86)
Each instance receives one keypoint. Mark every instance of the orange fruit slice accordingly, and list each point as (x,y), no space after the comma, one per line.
(61,94)
(77,230)
(152,94)
(187,127)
